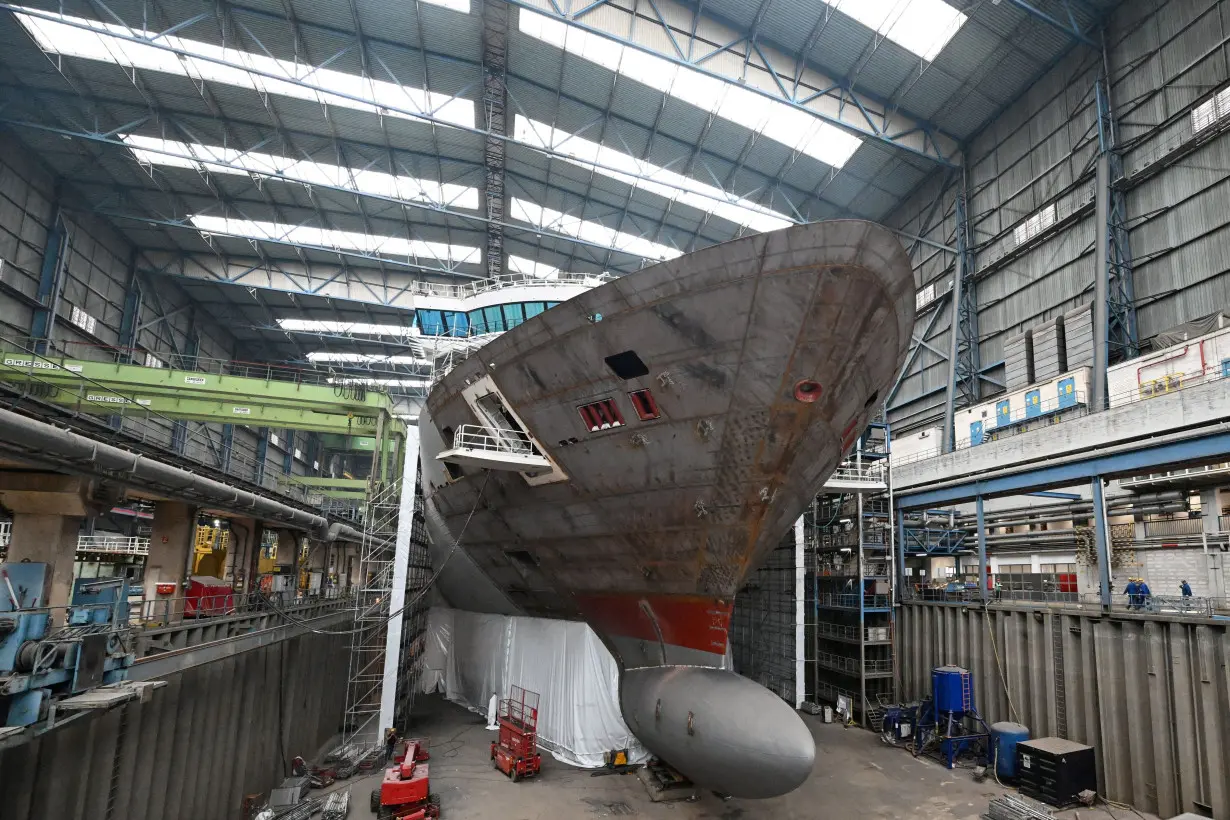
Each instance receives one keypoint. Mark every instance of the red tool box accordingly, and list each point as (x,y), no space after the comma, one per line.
(516,752)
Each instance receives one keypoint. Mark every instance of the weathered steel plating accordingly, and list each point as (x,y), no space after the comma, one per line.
(765,356)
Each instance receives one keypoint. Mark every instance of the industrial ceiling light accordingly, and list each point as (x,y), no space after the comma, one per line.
(120,45)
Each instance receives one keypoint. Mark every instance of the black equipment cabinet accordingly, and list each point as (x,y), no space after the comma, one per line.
(1055,770)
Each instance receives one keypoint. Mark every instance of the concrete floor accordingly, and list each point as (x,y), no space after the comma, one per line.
(856,775)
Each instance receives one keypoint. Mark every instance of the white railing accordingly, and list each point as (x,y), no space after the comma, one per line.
(113,544)
(477,437)
(851,473)
(510,280)
(450,351)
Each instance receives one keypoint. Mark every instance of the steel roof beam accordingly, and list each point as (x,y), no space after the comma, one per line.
(407,113)
(853,111)
(494,108)
(1070,28)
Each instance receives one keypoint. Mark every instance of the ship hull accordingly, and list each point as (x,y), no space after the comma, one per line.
(762,358)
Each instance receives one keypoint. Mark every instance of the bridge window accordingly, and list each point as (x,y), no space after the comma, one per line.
(431,323)
(514,314)
(494,319)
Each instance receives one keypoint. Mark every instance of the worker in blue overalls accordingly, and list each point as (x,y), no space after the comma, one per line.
(1186,589)
(1133,593)
(1142,589)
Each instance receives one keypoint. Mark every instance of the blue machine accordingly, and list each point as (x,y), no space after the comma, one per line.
(40,660)
(952,689)
(1004,738)
(948,723)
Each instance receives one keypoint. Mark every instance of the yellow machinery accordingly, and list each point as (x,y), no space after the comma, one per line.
(269,553)
(210,549)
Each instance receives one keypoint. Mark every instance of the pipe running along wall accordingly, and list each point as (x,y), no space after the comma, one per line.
(43,442)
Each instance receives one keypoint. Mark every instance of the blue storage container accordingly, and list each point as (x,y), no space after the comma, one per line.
(1004,738)
(952,689)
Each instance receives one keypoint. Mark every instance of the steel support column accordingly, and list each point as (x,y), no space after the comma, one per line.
(1101,284)
(1115,263)
(900,555)
(983,592)
(50,283)
(495,101)
(1101,540)
(130,319)
(262,452)
(963,358)
(228,446)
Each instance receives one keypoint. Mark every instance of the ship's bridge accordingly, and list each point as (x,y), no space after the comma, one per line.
(494,305)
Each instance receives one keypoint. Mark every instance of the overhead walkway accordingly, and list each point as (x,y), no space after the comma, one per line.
(1172,431)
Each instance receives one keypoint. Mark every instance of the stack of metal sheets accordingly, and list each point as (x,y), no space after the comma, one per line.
(1011,807)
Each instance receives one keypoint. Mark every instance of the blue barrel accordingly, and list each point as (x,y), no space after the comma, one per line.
(952,689)
(1004,737)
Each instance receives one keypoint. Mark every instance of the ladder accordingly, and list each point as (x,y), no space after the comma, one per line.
(967,692)
(1061,707)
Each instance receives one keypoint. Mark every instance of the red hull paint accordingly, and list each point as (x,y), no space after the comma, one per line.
(691,621)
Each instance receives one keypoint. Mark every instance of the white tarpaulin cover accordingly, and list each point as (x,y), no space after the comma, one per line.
(470,655)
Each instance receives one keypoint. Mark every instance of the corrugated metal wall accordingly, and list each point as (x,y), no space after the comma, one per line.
(1165,58)
(203,742)
(1153,696)
(98,275)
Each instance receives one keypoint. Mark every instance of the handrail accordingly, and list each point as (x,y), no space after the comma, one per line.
(478,437)
(508,280)
(113,544)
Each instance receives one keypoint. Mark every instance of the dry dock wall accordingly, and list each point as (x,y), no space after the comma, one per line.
(202,742)
(1152,695)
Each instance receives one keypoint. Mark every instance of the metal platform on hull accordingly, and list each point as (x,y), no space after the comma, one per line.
(494,449)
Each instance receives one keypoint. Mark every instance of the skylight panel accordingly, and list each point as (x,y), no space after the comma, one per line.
(775,119)
(649,177)
(462,6)
(348,328)
(921,26)
(155,151)
(594,232)
(362,358)
(531,267)
(393,246)
(107,42)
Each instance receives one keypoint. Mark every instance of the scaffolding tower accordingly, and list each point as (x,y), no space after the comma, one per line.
(414,624)
(848,547)
(365,682)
